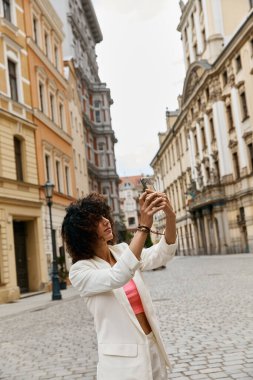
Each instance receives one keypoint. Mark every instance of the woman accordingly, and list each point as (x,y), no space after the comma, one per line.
(109,278)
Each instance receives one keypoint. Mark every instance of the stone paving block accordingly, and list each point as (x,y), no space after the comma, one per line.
(203,318)
(200,376)
(217,375)
(210,370)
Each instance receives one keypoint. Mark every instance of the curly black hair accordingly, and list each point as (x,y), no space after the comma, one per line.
(79,227)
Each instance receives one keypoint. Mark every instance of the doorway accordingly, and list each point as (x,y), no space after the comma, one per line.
(19,230)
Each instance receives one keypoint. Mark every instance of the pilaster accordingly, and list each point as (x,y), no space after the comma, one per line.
(242,148)
(219,119)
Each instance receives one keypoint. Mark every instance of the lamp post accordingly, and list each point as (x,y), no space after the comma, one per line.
(56,294)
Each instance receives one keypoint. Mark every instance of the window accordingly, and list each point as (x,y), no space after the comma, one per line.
(229,117)
(251,3)
(48,164)
(97,116)
(41,95)
(35,29)
(67,179)
(217,169)
(13,80)
(7,9)
(195,49)
(238,63)
(96,103)
(207,94)
(58,176)
(250,147)
(18,159)
(196,144)
(225,77)
(203,33)
(75,162)
(52,107)
(61,113)
(131,221)
(46,40)
(186,139)
(212,129)
(244,107)
(203,137)
(71,119)
(56,56)
(236,166)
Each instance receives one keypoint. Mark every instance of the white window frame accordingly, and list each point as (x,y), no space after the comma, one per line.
(15,58)
(58,174)
(67,179)
(50,171)
(12,11)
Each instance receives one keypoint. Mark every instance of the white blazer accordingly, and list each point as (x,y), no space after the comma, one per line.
(122,344)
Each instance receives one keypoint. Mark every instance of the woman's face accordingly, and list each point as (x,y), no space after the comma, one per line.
(104,229)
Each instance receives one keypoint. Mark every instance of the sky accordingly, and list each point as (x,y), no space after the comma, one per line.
(141,61)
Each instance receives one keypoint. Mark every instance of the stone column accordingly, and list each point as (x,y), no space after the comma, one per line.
(189,36)
(208,140)
(205,13)
(219,119)
(203,172)
(223,228)
(192,156)
(217,17)
(199,234)
(198,31)
(242,148)
(206,216)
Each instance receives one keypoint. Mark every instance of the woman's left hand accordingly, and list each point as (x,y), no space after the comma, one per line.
(164,204)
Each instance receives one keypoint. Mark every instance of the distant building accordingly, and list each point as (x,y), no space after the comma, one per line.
(130,189)
(205,159)
(83,32)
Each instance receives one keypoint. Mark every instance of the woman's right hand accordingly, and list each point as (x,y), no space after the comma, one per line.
(150,203)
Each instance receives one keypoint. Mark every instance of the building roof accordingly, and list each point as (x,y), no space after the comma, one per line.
(133,180)
(92,20)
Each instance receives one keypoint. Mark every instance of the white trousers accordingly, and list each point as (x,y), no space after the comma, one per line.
(159,370)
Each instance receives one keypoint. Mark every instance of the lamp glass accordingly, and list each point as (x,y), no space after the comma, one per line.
(49,188)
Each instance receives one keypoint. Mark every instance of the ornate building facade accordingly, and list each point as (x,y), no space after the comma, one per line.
(49,87)
(129,190)
(205,159)
(22,261)
(82,34)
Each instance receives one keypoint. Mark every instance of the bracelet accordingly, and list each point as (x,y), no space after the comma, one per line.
(143,229)
(157,233)
(147,230)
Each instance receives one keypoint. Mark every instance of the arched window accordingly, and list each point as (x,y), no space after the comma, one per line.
(18,159)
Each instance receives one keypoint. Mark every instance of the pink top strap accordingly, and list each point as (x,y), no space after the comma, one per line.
(133,297)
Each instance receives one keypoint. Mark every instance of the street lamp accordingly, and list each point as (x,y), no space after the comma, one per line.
(56,294)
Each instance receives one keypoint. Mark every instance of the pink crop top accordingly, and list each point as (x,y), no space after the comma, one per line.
(133,297)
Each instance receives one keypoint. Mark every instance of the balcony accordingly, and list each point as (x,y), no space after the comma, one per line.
(209,196)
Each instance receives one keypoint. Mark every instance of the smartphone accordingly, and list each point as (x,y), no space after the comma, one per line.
(147,183)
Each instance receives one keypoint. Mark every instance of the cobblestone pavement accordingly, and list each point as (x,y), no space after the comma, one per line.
(205,308)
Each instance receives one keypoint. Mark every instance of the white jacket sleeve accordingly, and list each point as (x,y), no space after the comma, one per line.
(90,281)
(157,255)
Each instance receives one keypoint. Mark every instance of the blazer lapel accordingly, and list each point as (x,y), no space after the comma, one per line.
(122,298)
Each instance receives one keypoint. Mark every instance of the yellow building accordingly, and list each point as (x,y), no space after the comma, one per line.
(205,159)
(77,131)
(22,260)
(50,104)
